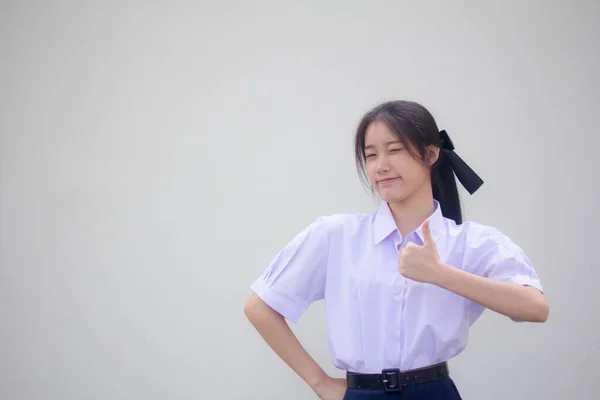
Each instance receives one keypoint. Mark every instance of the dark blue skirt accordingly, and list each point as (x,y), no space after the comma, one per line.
(441,389)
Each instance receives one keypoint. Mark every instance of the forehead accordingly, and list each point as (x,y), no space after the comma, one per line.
(379,133)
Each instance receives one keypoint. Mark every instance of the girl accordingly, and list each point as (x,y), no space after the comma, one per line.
(402,285)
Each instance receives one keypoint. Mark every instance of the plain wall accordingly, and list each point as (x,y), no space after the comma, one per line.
(154,157)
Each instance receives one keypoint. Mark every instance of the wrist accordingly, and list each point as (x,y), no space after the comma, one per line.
(445,273)
(319,380)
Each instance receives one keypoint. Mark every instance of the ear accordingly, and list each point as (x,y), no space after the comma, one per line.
(433,153)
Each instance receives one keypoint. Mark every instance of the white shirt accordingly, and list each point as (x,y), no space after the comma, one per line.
(376,318)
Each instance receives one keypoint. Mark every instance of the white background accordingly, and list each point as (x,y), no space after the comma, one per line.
(154,157)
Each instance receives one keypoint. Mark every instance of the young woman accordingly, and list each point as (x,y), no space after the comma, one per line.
(402,285)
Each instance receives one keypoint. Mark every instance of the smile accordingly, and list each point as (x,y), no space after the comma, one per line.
(386,181)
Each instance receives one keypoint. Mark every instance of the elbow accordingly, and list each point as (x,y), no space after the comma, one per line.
(537,307)
(534,308)
(251,308)
(542,311)
(257,310)
(539,310)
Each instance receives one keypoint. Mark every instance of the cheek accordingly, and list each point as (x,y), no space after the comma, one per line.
(416,173)
(371,172)
(408,168)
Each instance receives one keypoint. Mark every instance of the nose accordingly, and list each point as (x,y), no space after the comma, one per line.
(382,164)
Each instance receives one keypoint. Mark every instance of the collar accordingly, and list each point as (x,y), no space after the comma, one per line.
(384,224)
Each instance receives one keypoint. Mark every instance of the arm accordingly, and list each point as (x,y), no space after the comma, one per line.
(294,279)
(519,302)
(489,286)
(278,335)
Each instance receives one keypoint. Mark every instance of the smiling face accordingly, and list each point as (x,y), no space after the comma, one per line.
(393,171)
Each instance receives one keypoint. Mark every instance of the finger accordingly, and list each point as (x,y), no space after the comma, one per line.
(427,239)
(410,247)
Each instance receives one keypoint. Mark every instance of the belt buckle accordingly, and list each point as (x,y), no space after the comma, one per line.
(391,380)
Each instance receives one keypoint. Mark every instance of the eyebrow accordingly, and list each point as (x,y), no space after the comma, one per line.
(386,144)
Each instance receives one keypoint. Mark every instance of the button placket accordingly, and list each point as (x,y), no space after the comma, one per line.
(400,298)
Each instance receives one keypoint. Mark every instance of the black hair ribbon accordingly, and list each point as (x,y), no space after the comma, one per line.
(467,177)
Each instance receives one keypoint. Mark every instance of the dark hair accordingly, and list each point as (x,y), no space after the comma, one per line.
(416,128)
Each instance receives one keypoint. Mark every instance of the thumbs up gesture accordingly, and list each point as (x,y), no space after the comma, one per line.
(421,263)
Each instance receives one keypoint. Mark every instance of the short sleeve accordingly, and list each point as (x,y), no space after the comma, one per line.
(492,254)
(296,276)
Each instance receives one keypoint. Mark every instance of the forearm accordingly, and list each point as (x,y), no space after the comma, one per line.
(515,301)
(278,335)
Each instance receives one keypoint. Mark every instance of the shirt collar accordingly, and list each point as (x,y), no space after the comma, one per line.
(384,224)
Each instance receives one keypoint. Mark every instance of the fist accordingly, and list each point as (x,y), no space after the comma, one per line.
(421,263)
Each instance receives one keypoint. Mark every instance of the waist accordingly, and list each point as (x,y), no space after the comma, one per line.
(393,380)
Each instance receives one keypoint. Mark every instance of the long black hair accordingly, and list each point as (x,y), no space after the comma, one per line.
(414,125)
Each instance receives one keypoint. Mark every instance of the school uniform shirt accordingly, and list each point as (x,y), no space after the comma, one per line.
(376,318)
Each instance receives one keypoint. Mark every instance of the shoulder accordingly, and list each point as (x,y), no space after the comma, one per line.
(485,250)
(483,239)
(340,224)
(476,233)
(329,229)
(324,230)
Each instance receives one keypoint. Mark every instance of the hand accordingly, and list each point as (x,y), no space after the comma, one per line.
(331,388)
(421,263)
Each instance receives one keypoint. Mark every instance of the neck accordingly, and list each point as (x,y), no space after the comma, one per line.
(410,213)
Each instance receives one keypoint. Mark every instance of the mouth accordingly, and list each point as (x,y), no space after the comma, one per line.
(386,181)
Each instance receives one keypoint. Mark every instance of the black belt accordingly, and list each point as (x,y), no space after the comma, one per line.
(392,380)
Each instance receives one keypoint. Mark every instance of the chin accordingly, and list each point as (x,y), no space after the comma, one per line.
(392,196)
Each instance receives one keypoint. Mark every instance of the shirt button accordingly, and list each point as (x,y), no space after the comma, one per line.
(397,298)
(396,334)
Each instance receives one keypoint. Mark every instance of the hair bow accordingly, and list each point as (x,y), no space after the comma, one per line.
(467,177)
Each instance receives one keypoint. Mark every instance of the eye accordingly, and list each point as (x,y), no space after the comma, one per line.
(370,155)
(395,150)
